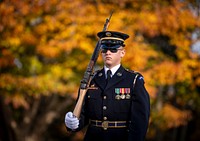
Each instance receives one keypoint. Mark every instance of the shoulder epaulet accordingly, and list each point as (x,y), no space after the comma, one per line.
(135,72)
(131,71)
(137,75)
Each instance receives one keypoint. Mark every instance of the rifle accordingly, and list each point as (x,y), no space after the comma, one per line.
(85,82)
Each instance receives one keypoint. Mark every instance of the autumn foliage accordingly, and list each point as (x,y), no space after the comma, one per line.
(45,47)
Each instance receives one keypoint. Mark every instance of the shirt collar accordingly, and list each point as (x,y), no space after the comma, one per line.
(113,70)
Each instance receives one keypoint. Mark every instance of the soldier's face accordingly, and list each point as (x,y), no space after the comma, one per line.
(112,58)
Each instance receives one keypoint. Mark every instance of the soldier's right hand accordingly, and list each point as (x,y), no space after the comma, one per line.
(71,121)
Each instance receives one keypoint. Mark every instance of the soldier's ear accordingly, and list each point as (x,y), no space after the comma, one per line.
(123,52)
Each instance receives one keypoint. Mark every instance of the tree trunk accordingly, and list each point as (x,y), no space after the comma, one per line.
(36,121)
(6,132)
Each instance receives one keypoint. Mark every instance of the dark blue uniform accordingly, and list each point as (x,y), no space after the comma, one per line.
(116,111)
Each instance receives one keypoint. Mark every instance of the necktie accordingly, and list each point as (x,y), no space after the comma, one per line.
(108,75)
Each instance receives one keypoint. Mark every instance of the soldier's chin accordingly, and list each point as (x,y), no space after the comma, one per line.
(108,64)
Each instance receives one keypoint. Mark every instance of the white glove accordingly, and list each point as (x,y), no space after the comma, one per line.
(71,121)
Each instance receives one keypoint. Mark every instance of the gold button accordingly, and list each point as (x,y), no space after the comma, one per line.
(104,118)
(104,97)
(104,107)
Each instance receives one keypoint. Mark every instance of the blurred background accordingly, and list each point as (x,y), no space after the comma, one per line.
(46,45)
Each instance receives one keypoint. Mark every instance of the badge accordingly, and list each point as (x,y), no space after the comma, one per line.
(100,74)
(108,34)
(119,74)
(92,87)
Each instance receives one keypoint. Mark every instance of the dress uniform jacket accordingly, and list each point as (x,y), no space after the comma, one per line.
(119,100)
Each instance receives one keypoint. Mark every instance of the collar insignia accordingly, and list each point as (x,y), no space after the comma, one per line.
(119,74)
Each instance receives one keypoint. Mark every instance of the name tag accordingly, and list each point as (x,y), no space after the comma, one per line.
(92,87)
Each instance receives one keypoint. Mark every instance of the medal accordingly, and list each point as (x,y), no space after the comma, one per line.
(122,96)
(117,97)
(127,90)
(128,96)
(122,91)
(117,91)
(127,93)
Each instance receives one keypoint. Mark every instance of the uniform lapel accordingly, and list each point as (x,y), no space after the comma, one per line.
(118,76)
(100,79)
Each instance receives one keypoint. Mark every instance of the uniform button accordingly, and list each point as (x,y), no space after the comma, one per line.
(104,97)
(104,118)
(104,107)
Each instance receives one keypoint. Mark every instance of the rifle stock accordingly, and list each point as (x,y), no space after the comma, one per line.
(85,82)
(78,107)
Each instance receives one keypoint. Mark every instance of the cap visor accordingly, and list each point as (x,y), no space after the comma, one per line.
(110,46)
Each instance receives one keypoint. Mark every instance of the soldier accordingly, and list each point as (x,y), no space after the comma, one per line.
(116,105)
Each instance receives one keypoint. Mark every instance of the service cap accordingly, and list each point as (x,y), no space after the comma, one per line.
(112,39)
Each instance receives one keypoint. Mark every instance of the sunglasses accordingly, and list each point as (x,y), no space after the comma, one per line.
(113,50)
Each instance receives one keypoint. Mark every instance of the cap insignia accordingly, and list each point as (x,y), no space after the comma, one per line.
(108,34)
